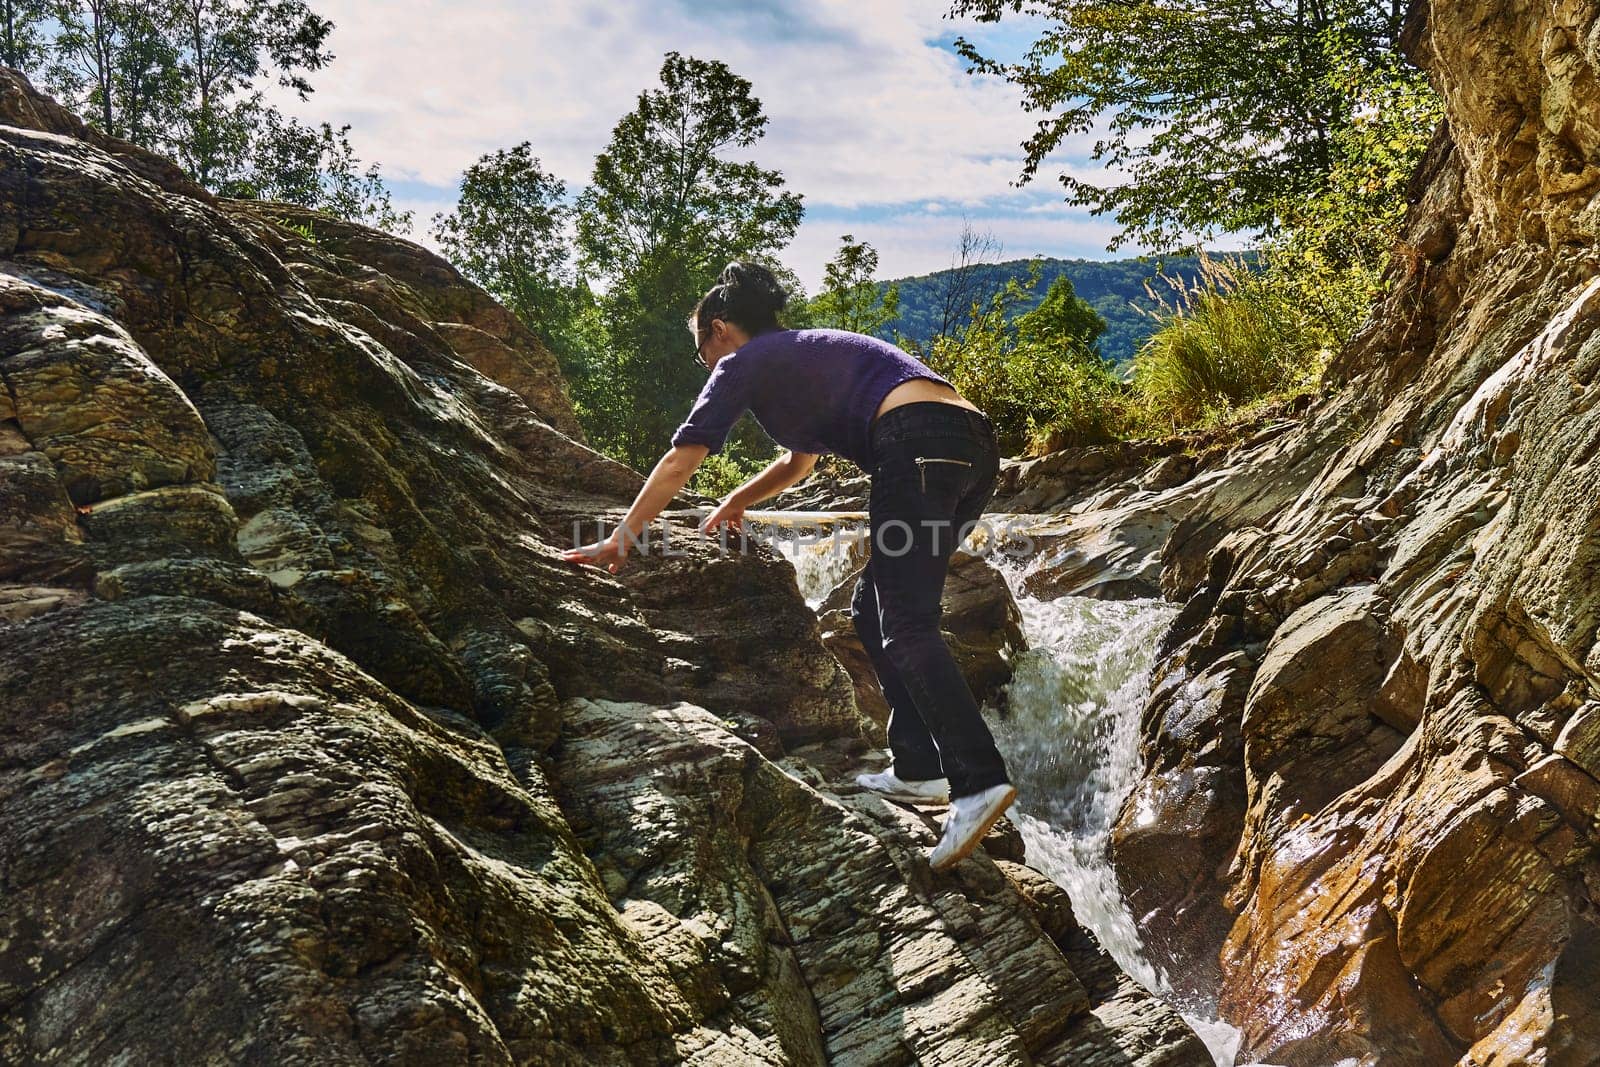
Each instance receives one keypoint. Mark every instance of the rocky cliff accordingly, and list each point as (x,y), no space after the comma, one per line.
(312,750)
(1367,822)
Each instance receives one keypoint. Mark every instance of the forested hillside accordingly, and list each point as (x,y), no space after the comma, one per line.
(1114,287)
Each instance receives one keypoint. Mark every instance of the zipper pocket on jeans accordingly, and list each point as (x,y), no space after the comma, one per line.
(922,471)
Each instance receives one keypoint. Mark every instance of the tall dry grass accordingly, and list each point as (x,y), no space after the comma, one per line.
(1228,341)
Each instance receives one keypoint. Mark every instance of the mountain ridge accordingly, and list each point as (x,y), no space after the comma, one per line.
(1113,287)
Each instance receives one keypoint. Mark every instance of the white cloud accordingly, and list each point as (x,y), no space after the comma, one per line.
(865,113)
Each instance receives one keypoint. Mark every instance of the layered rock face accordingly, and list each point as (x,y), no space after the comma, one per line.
(314,750)
(1367,823)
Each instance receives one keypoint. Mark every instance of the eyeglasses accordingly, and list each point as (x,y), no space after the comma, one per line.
(700,349)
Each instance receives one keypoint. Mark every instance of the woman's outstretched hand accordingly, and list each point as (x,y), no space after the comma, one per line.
(608,553)
(727,513)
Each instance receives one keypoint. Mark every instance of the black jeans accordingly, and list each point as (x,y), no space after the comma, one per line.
(934,467)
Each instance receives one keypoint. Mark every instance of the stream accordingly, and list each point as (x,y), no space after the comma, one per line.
(1071,741)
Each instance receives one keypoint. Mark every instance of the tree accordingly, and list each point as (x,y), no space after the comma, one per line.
(21,33)
(1329,257)
(665,210)
(315,166)
(182,77)
(227,47)
(1062,319)
(851,299)
(662,187)
(1246,97)
(117,62)
(1036,374)
(511,232)
(961,286)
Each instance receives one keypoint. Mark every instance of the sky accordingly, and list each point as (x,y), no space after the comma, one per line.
(872,116)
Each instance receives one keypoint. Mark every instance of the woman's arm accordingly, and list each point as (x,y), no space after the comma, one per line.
(780,474)
(670,474)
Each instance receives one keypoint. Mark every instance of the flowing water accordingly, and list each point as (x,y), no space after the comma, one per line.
(1070,739)
(820,562)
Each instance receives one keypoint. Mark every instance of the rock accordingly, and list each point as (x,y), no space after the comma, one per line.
(91,400)
(158,523)
(1567,788)
(1038,484)
(315,751)
(1140,519)
(19,602)
(840,638)
(842,488)
(1109,546)
(412,292)
(1004,842)
(732,622)
(1580,738)
(981,623)
(1313,729)
(891,979)
(39,539)
(1050,903)
(1168,473)
(1118,1003)
(1370,829)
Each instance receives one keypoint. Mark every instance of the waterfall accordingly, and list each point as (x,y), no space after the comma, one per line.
(820,563)
(1071,740)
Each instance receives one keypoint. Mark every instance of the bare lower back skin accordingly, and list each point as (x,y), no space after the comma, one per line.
(915,389)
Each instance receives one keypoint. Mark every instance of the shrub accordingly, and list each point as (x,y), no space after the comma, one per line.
(1037,376)
(1077,398)
(722,472)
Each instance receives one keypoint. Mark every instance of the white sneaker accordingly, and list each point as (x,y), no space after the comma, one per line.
(936,790)
(968,819)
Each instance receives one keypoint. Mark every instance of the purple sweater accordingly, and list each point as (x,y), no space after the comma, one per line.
(810,390)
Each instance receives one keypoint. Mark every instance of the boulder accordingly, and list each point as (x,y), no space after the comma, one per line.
(981,623)
(841,487)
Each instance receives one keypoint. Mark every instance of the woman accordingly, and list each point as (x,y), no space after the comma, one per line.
(933,458)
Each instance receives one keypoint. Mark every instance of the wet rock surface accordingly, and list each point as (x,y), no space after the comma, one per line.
(315,751)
